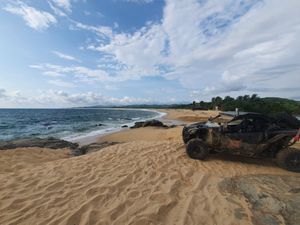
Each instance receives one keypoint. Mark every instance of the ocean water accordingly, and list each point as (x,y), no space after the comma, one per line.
(68,124)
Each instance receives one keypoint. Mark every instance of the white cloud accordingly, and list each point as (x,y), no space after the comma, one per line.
(79,72)
(61,83)
(2,93)
(136,55)
(139,1)
(52,74)
(214,46)
(54,98)
(65,56)
(57,10)
(64,4)
(33,17)
(87,13)
(102,31)
(110,87)
(47,72)
(85,74)
(12,98)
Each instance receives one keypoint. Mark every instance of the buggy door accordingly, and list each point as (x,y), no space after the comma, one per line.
(243,136)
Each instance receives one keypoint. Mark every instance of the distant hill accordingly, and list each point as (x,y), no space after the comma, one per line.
(157,106)
(146,106)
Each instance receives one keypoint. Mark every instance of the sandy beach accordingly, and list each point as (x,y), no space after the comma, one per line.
(146,179)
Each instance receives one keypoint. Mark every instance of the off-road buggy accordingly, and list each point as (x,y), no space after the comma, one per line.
(248,134)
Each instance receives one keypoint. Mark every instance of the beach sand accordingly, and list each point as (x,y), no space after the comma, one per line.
(188,116)
(148,179)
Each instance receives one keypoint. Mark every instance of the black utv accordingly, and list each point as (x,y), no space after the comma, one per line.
(248,134)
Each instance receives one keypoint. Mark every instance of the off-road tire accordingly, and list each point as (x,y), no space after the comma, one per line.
(289,159)
(185,135)
(197,149)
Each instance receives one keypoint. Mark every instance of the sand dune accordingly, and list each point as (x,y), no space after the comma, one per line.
(140,182)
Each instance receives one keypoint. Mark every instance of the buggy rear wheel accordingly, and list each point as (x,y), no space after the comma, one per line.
(289,159)
(197,149)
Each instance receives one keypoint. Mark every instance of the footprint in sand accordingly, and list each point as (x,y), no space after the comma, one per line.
(134,194)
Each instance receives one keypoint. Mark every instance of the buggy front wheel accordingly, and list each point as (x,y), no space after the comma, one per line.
(197,149)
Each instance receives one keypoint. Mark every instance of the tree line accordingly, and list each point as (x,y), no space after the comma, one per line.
(253,103)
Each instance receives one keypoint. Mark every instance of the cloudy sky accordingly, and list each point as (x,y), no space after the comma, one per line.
(61,53)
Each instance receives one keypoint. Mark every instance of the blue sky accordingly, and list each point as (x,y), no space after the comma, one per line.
(62,53)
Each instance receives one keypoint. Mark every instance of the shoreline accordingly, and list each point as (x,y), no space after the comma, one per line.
(178,117)
(93,136)
(171,117)
(73,126)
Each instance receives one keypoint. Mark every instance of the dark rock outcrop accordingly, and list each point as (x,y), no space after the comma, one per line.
(124,126)
(52,143)
(272,198)
(91,148)
(149,123)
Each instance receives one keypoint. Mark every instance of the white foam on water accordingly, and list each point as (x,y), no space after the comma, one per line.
(113,127)
(76,137)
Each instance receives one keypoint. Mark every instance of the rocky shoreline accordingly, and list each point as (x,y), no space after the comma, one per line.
(52,143)
(75,149)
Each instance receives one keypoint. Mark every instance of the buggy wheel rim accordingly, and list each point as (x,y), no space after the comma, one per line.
(196,151)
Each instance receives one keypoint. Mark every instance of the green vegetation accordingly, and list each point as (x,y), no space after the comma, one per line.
(252,103)
(245,103)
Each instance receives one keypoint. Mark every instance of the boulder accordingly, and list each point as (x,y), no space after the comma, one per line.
(149,123)
(273,199)
(52,143)
(124,126)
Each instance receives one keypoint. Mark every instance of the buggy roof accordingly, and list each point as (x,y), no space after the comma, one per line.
(246,115)
(233,113)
